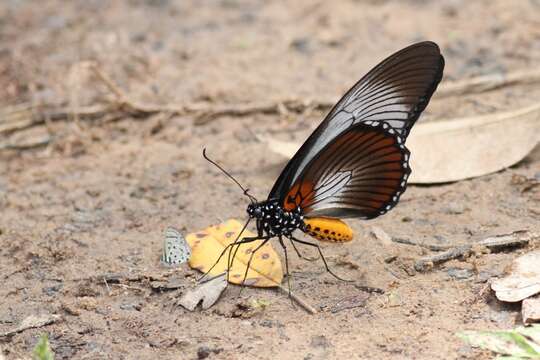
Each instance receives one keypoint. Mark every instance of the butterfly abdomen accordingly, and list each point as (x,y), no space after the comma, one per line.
(328,229)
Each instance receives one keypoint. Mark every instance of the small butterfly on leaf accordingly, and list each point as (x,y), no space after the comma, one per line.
(176,250)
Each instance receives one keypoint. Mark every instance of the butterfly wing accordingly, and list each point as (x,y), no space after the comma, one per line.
(361,173)
(176,250)
(395,92)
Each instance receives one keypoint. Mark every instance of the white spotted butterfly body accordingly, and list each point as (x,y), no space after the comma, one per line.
(176,250)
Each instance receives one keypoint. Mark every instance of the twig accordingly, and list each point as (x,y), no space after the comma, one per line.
(310,309)
(31,322)
(495,243)
(289,105)
(38,115)
(488,82)
(516,238)
(23,116)
(107,286)
(28,145)
(432,247)
(428,261)
(116,278)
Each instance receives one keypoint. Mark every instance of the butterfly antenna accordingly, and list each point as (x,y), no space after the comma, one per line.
(246,191)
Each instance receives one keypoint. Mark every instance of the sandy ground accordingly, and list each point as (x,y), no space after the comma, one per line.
(95,200)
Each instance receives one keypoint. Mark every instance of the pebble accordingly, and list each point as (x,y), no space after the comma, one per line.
(459,274)
(320,341)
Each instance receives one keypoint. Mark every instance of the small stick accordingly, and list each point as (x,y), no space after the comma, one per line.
(107,286)
(494,243)
(310,309)
(488,82)
(28,145)
(23,116)
(432,247)
(428,261)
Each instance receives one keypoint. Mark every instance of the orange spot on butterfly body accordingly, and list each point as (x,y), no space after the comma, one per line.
(328,229)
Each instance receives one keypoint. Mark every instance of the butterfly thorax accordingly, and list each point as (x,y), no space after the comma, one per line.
(273,220)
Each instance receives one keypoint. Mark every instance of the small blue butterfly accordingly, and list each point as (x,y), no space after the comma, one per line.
(176,250)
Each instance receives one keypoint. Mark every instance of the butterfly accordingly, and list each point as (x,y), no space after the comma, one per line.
(176,250)
(355,164)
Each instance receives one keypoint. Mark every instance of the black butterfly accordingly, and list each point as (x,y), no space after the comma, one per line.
(355,164)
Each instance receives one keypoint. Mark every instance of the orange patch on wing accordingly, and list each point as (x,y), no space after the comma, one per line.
(328,229)
(300,193)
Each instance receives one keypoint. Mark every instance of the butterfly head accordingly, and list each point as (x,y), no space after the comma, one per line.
(255,210)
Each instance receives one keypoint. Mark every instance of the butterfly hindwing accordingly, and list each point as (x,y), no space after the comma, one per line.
(176,250)
(362,173)
(395,92)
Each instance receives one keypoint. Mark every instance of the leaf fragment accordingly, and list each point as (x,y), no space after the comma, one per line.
(523,280)
(208,244)
(207,292)
(519,343)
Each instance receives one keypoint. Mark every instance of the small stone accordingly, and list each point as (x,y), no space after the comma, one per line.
(301,45)
(459,274)
(453,209)
(267,323)
(203,352)
(320,341)
(87,303)
(131,306)
(52,290)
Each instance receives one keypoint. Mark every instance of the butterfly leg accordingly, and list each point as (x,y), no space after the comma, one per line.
(225,250)
(245,240)
(299,254)
(292,238)
(265,240)
(259,236)
(286,263)
(223,253)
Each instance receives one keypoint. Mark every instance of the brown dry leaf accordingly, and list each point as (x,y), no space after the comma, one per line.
(456,149)
(523,281)
(208,293)
(206,246)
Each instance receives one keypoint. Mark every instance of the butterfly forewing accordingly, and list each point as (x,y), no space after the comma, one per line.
(362,173)
(395,92)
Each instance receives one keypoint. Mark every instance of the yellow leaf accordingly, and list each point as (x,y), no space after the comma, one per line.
(206,246)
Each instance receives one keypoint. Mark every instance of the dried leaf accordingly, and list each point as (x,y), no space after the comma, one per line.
(530,310)
(207,245)
(456,149)
(523,281)
(520,343)
(207,292)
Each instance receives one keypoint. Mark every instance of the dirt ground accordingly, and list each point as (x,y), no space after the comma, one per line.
(96,198)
